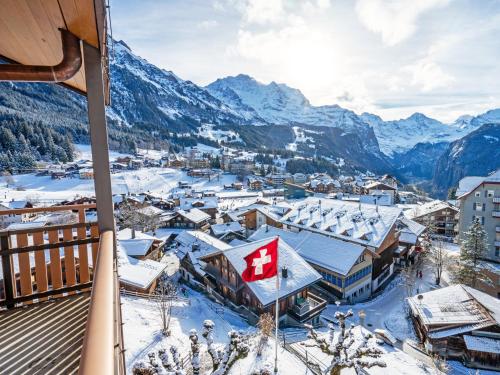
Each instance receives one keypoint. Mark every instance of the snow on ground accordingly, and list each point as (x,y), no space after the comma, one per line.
(84,152)
(142,332)
(154,180)
(396,360)
(208,131)
(142,325)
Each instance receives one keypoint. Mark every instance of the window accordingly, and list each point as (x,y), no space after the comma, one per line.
(490,193)
(478,206)
(477,194)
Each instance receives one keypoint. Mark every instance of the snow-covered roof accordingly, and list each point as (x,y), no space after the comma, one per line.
(327,252)
(230,227)
(470,183)
(206,243)
(126,234)
(208,202)
(416,228)
(428,208)
(300,273)
(135,272)
(151,211)
(136,247)
(379,186)
(455,305)
(195,215)
(365,224)
(482,344)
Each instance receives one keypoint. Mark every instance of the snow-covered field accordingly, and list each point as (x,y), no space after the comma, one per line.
(154,180)
(142,332)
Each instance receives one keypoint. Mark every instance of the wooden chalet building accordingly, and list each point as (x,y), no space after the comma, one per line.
(372,226)
(192,219)
(345,267)
(297,304)
(441,216)
(459,322)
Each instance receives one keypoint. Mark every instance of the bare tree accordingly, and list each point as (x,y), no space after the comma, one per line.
(130,217)
(342,356)
(163,296)
(266,326)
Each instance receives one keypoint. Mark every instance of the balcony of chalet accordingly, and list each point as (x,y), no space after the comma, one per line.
(59,296)
(306,308)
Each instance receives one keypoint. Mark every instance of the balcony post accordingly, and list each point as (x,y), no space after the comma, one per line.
(98,137)
(8,271)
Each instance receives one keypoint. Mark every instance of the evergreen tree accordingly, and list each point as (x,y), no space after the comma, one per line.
(473,249)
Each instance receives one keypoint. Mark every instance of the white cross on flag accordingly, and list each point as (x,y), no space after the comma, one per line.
(262,263)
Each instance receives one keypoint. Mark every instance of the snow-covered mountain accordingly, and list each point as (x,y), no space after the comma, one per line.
(277,103)
(142,92)
(402,135)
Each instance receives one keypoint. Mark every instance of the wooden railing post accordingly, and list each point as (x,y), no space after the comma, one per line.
(8,271)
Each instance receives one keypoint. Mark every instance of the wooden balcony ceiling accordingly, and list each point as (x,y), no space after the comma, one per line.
(44,338)
(29,31)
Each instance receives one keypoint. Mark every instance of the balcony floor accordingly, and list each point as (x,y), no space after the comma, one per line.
(44,338)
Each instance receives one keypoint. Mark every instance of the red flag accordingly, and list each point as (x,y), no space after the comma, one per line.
(262,263)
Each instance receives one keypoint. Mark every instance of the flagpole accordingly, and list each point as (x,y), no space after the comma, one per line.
(277,310)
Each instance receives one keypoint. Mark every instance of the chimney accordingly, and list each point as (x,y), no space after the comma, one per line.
(284,272)
(195,247)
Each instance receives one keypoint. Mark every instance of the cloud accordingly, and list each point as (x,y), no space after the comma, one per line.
(394,20)
(428,75)
(207,24)
(263,11)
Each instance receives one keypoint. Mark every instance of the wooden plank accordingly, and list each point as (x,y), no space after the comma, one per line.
(73,207)
(46,228)
(69,259)
(83,256)
(47,246)
(80,18)
(55,261)
(8,274)
(94,232)
(51,293)
(24,267)
(41,279)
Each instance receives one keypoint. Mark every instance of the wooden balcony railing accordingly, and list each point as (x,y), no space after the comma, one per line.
(98,351)
(47,261)
(52,261)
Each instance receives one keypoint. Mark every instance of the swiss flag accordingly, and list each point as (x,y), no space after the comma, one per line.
(262,263)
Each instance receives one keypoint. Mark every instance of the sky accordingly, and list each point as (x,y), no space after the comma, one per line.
(388,57)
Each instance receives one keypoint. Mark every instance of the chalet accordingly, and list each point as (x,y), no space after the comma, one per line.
(278,179)
(6,220)
(206,204)
(368,225)
(140,245)
(136,164)
(459,322)
(228,231)
(254,183)
(189,247)
(177,163)
(257,215)
(441,216)
(380,188)
(86,173)
(325,186)
(297,304)
(345,267)
(137,275)
(192,219)
(409,241)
